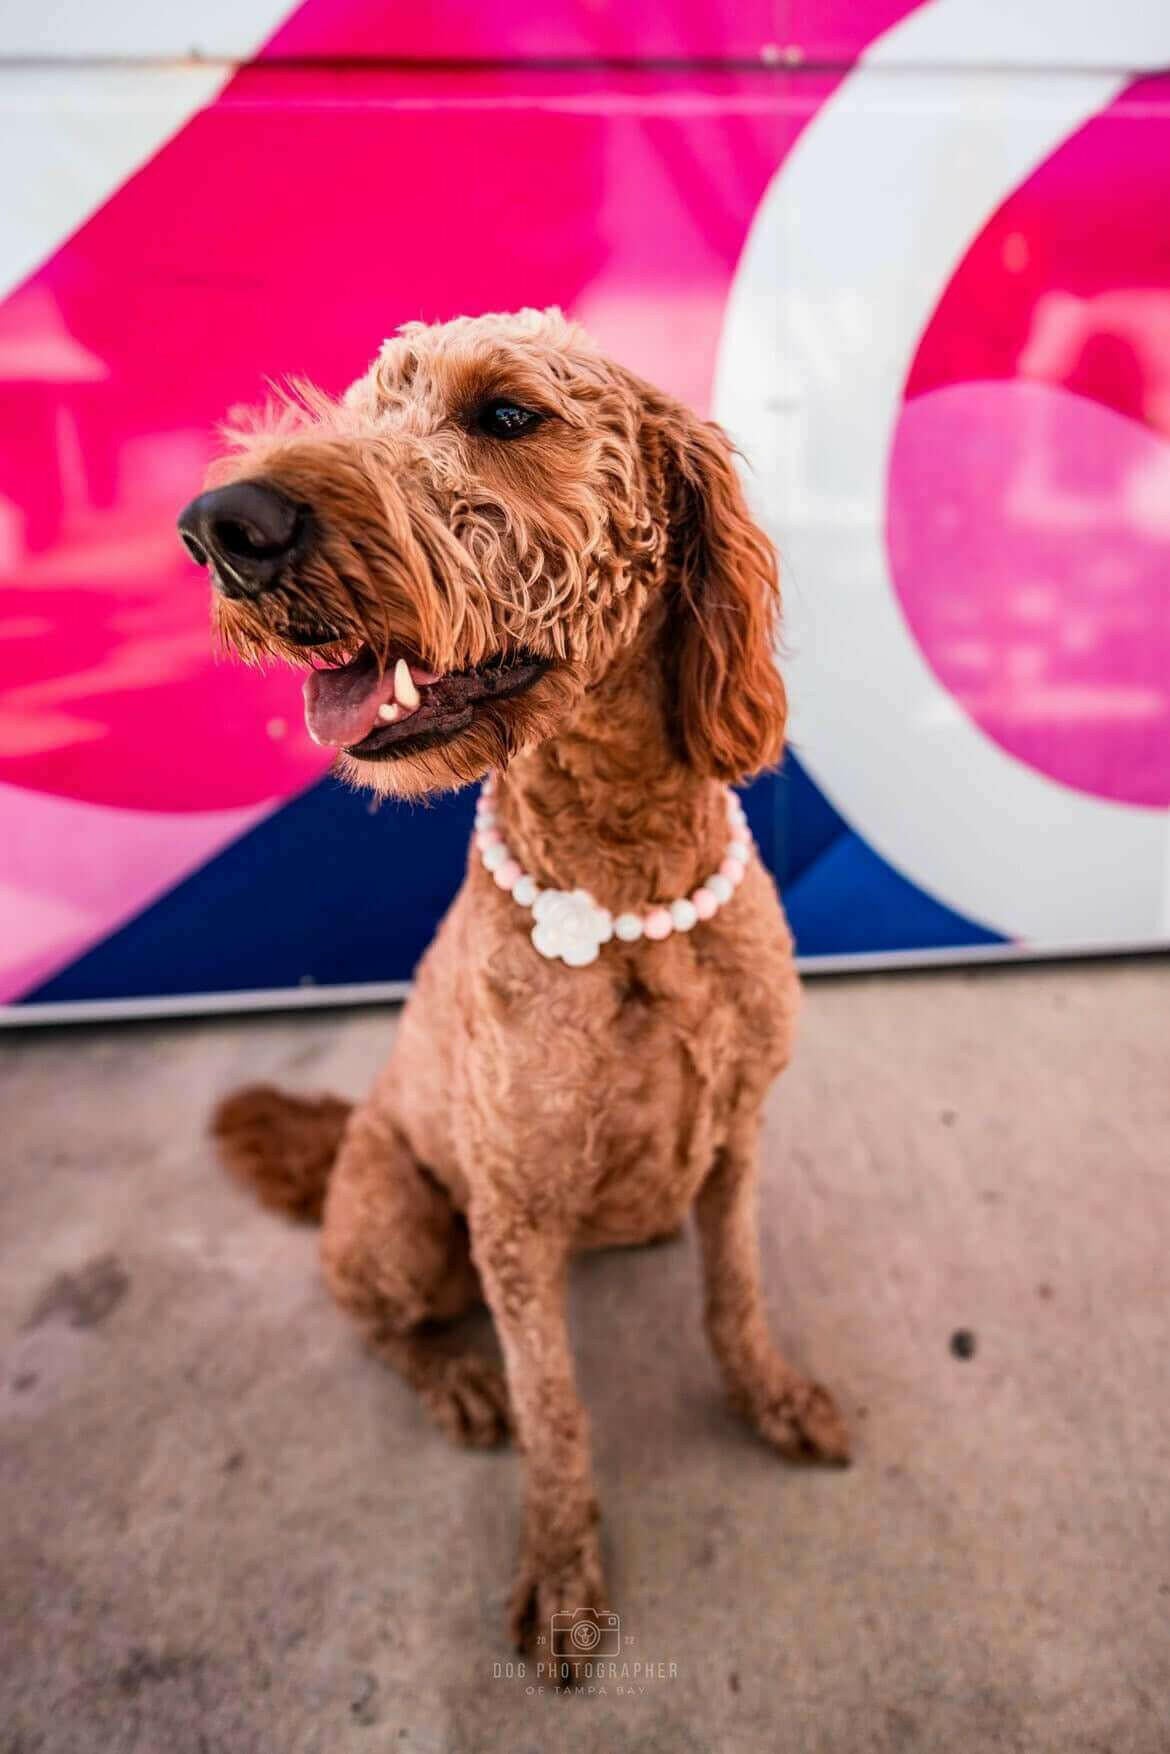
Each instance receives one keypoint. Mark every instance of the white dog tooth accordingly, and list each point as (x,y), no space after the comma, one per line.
(404,690)
(389,712)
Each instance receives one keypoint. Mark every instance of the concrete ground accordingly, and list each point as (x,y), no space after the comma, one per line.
(226,1530)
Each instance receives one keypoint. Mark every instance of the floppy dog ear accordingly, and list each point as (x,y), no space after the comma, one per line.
(729,701)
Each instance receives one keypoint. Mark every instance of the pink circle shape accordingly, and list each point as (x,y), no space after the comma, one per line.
(1028,533)
(658,924)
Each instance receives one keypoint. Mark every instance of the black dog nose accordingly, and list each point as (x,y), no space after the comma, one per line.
(248,532)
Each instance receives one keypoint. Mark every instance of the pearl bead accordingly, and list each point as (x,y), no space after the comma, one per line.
(733,871)
(627,927)
(683,915)
(741,850)
(704,903)
(485,818)
(508,874)
(718,885)
(525,890)
(488,837)
(658,923)
(496,854)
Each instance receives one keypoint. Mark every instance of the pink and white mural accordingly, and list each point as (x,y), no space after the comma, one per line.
(924,280)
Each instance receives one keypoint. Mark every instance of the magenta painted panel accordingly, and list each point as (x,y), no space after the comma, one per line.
(312,208)
(278,233)
(615,197)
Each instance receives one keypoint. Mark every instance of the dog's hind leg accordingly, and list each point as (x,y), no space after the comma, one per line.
(396,1256)
(798,1416)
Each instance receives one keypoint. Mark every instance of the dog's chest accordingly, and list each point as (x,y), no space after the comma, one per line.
(669,1089)
(606,1090)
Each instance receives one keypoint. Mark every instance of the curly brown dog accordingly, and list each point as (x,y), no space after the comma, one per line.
(502,553)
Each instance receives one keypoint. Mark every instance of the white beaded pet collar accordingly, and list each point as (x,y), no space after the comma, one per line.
(571,925)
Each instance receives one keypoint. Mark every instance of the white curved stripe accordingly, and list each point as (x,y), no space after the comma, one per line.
(71,136)
(1127,37)
(853,245)
(69,140)
(76,30)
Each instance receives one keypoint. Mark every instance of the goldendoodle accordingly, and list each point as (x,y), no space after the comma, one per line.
(503,558)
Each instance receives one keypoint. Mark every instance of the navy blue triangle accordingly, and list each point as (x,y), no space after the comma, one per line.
(328,890)
(842,898)
(333,891)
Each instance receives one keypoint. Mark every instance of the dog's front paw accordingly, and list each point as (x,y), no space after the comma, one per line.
(804,1424)
(545,1617)
(467,1397)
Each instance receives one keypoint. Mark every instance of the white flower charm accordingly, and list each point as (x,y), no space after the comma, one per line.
(569,924)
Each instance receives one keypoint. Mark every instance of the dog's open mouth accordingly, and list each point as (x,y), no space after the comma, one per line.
(377,710)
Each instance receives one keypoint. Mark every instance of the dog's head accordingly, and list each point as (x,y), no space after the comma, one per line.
(468,541)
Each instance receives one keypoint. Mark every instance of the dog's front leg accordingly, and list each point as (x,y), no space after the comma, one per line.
(798,1416)
(523,1267)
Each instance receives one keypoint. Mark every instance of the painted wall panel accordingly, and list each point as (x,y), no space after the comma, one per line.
(932,306)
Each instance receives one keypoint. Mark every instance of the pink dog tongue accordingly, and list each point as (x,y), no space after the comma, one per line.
(341,706)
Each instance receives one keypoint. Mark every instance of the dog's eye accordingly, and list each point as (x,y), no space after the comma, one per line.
(500,418)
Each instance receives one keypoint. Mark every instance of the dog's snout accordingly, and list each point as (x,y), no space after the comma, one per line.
(248,532)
